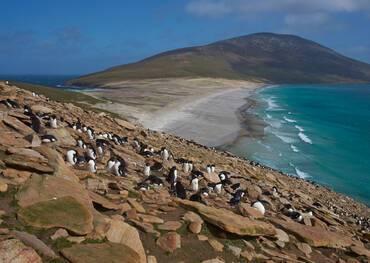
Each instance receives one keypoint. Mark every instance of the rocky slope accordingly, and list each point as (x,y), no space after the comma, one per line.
(53,211)
(265,57)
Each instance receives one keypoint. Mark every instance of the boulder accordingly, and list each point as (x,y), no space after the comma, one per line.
(135,204)
(150,219)
(63,136)
(27,163)
(100,200)
(236,251)
(229,221)
(125,124)
(169,242)
(246,210)
(33,139)
(97,253)
(34,242)
(195,227)
(123,233)
(42,109)
(217,246)
(17,125)
(315,236)
(65,212)
(59,233)
(170,226)
(13,250)
(212,178)
(281,235)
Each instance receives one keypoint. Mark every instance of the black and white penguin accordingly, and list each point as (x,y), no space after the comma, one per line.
(213,168)
(151,181)
(218,188)
(35,123)
(156,167)
(10,103)
(179,190)
(91,164)
(195,184)
(197,197)
(237,196)
(27,110)
(119,167)
(81,143)
(110,164)
(72,157)
(186,166)
(297,216)
(147,169)
(100,146)
(165,154)
(53,122)
(209,169)
(146,151)
(48,138)
(90,133)
(172,175)
(77,125)
(197,174)
(259,206)
(90,152)
(136,144)
(191,166)
(235,186)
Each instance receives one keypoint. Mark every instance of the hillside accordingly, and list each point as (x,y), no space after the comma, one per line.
(264,57)
(53,209)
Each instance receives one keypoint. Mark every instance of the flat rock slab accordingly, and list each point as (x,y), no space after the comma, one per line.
(315,236)
(13,250)
(17,125)
(98,199)
(65,212)
(169,242)
(229,221)
(170,226)
(98,253)
(27,163)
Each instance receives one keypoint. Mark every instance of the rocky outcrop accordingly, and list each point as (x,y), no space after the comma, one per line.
(97,253)
(14,251)
(229,221)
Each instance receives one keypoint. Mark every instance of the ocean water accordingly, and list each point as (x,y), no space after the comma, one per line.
(47,80)
(316,132)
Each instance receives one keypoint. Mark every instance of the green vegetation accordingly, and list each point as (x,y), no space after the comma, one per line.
(258,57)
(61,243)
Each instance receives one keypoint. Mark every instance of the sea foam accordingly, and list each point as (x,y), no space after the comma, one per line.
(299,128)
(294,148)
(289,120)
(301,174)
(304,137)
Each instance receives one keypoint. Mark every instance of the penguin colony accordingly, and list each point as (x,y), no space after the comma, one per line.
(87,154)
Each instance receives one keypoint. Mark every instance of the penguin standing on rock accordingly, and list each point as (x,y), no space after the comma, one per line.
(195,184)
(186,166)
(81,143)
(147,169)
(91,152)
(72,157)
(35,123)
(172,175)
(165,154)
(237,196)
(53,123)
(259,206)
(91,166)
(90,133)
(179,190)
(111,163)
(48,138)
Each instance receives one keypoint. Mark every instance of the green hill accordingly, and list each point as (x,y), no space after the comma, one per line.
(267,57)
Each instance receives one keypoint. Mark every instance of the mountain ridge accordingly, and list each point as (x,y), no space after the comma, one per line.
(264,57)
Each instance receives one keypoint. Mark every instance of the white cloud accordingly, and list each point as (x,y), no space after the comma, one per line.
(215,8)
(314,19)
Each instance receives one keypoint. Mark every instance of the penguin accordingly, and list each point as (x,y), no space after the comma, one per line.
(196,173)
(297,216)
(147,169)
(119,167)
(48,138)
(27,110)
(72,157)
(275,192)
(191,166)
(35,123)
(259,206)
(156,167)
(195,184)
(100,144)
(77,125)
(91,166)
(213,168)
(197,197)
(186,166)
(218,188)
(172,175)
(90,133)
(111,162)
(117,140)
(136,144)
(152,180)
(145,151)
(81,143)
(209,169)
(91,152)
(235,186)
(165,154)
(10,103)
(237,196)
(179,189)
(53,122)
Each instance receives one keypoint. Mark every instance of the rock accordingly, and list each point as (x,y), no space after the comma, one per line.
(93,184)
(145,227)
(169,242)
(3,187)
(236,251)
(33,139)
(124,208)
(248,255)
(151,259)
(217,246)
(63,136)
(65,212)
(212,178)
(192,217)
(98,199)
(314,236)
(59,233)
(361,251)
(25,163)
(135,204)
(246,210)
(170,226)
(17,125)
(34,242)
(253,192)
(98,253)
(132,214)
(214,260)
(195,227)
(123,233)
(151,219)
(281,235)
(305,248)
(17,176)
(125,124)
(229,221)
(42,109)
(26,153)
(13,250)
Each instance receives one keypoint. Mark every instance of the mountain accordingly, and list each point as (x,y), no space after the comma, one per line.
(267,57)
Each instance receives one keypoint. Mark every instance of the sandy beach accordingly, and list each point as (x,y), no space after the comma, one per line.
(203,110)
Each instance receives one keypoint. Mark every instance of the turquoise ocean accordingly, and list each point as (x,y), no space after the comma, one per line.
(316,132)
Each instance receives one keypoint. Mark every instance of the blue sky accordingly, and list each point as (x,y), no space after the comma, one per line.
(79,37)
